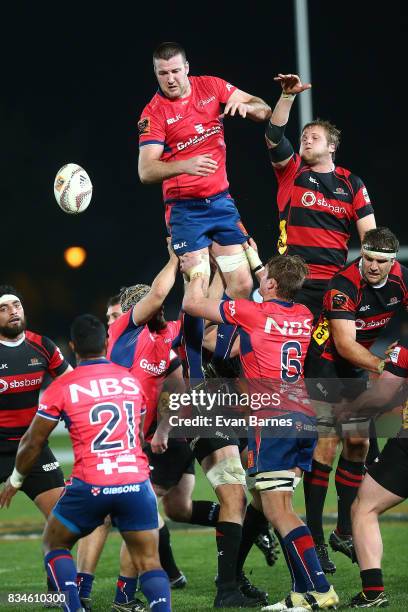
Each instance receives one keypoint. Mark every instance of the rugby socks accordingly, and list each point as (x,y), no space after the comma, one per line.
(225,338)
(372,582)
(193,330)
(304,564)
(61,570)
(84,583)
(204,513)
(315,484)
(125,589)
(299,584)
(349,475)
(254,524)
(156,588)
(166,554)
(228,536)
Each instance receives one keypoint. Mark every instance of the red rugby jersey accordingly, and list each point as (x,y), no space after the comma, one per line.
(187,127)
(274,338)
(147,354)
(316,211)
(101,404)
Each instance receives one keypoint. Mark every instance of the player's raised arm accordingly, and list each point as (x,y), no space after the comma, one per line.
(275,130)
(245,105)
(161,287)
(28,452)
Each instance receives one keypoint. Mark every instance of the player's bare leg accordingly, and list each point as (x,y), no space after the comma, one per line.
(46,501)
(236,274)
(224,471)
(275,490)
(371,501)
(177,502)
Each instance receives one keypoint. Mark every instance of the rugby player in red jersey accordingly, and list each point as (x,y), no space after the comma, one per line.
(103,407)
(359,303)
(182,146)
(274,337)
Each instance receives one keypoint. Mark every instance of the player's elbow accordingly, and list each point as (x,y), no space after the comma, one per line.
(145,177)
(342,347)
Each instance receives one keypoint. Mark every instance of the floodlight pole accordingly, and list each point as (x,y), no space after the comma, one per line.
(303,59)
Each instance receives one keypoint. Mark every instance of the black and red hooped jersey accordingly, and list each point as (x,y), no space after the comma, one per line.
(316,211)
(349,296)
(23,366)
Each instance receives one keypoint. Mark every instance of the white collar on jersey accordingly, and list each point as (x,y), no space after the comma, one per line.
(6,343)
(384,282)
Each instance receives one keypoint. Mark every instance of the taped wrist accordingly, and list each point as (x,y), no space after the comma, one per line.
(16,479)
(254,260)
(282,151)
(275,133)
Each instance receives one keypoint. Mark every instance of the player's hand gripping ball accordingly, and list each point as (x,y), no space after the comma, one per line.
(72,189)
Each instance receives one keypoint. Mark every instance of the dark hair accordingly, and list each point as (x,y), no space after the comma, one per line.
(332,133)
(88,335)
(167,50)
(112,301)
(380,239)
(289,271)
(9,289)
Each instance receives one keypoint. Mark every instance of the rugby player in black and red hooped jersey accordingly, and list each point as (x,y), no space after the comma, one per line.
(386,483)
(25,358)
(317,200)
(359,303)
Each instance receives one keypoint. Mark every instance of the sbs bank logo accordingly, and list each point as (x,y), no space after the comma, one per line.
(3,385)
(308,198)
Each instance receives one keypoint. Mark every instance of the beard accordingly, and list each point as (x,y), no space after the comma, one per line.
(12,332)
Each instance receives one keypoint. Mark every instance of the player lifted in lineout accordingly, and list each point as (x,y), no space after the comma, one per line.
(182,146)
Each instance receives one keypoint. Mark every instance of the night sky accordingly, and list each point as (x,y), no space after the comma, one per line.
(75,79)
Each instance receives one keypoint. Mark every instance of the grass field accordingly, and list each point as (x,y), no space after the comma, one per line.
(21,568)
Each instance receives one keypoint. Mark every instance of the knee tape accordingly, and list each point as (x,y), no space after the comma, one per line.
(227,471)
(282,480)
(229,263)
(250,482)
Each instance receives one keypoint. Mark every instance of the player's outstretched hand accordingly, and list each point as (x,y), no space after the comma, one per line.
(202,165)
(189,260)
(7,494)
(231,108)
(291,83)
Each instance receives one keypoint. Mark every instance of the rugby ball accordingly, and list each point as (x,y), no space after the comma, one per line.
(72,189)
